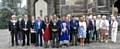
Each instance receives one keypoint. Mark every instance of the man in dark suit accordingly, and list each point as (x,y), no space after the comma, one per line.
(38,29)
(89,26)
(25,25)
(55,26)
(13,29)
(74,25)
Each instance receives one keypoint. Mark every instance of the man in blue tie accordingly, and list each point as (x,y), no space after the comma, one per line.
(38,29)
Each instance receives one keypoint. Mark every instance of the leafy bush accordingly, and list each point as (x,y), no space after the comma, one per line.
(5,16)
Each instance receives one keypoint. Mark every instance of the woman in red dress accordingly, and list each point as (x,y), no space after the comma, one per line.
(46,31)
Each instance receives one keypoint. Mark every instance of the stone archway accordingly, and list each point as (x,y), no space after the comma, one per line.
(41,8)
(31,7)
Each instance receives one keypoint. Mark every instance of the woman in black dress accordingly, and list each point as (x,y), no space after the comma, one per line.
(33,34)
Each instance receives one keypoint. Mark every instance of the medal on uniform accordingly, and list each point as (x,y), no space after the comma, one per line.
(54,24)
(13,23)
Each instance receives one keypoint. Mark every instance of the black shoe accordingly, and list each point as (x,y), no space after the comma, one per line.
(17,44)
(85,42)
(72,45)
(75,44)
(28,44)
(12,44)
(36,45)
(57,47)
(46,47)
(88,43)
(53,46)
(23,45)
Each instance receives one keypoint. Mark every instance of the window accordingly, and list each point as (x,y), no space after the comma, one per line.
(41,13)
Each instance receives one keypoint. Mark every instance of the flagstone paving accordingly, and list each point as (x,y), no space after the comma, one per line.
(5,43)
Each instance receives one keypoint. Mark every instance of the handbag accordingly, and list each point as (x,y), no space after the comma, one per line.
(106,33)
(32,31)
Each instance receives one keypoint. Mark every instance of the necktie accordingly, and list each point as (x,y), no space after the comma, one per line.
(87,24)
(112,24)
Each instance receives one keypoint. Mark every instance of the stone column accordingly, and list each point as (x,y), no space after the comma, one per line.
(30,8)
(50,7)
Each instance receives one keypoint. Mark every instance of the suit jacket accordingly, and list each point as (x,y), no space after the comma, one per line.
(90,25)
(57,26)
(74,24)
(28,25)
(12,27)
(36,26)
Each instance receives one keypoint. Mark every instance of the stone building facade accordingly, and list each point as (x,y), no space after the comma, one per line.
(74,7)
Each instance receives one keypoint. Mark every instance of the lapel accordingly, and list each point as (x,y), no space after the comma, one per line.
(27,22)
(36,23)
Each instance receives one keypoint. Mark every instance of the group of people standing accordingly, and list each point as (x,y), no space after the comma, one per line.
(61,32)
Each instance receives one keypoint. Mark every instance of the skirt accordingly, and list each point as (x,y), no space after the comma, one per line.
(33,37)
(104,32)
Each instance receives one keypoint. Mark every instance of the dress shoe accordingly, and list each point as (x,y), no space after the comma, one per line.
(53,46)
(12,44)
(36,45)
(57,47)
(17,44)
(23,45)
(40,45)
(75,44)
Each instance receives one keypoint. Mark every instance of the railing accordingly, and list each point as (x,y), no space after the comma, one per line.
(73,9)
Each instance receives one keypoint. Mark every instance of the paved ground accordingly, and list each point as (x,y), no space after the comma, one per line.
(5,44)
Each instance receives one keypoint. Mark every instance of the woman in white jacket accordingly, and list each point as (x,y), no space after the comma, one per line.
(104,25)
(114,30)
